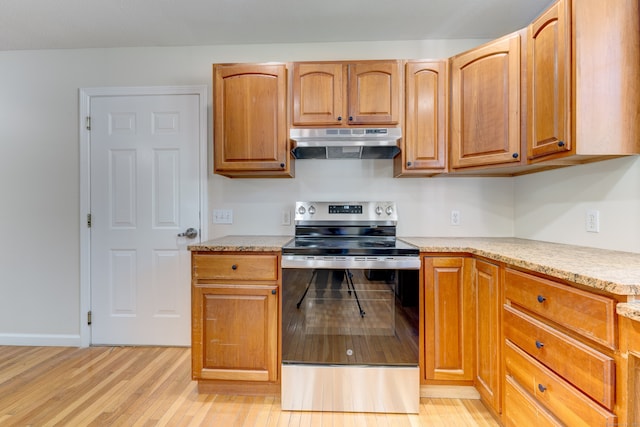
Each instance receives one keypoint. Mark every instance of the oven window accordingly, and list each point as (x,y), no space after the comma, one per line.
(341,316)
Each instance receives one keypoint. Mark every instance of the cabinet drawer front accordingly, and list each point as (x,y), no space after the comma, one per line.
(588,314)
(235,267)
(589,370)
(567,403)
(521,409)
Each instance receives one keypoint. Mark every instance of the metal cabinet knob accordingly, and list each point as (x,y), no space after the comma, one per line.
(234,267)
(560,143)
(515,155)
(539,344)
(541,299)
(541,388)
(191,233)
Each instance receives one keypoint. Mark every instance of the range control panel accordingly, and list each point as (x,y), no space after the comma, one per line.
(346,212)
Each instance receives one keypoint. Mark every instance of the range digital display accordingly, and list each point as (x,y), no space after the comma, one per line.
(345,209)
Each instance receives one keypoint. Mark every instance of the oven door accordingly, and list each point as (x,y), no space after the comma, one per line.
(356,330)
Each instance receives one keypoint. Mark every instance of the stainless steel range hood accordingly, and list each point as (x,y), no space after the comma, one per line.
(338,143)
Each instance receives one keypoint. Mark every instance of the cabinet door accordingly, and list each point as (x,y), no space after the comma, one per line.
(317,93)
(485,114)
(448,319)
(549,82)
(425,131)
(235,332)
(374,93)
(250,122)
(488,329)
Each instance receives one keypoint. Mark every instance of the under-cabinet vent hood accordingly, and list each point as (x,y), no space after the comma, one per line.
(338,143)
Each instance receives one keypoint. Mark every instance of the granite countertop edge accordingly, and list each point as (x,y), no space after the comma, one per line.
(615,272)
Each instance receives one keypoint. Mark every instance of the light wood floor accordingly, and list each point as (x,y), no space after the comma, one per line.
(151,386)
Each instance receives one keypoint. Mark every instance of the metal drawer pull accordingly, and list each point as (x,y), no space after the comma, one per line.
(273,291)
(541,388)
(541,299)
(234,267)
(539,344)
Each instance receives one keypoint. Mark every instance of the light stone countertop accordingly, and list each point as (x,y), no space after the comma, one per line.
(615,272)
(242,244)
(611,271)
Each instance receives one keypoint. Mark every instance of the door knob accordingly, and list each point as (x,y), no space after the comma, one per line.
(191,233)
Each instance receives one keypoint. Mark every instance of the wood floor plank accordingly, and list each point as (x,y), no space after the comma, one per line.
(151,386)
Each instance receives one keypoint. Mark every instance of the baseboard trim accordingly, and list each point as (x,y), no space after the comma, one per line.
(449,392)
(41,340)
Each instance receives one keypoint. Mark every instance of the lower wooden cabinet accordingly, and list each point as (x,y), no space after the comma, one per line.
(560,397)
(488,303)
(560,349)
(449,317)
(235,322)
(629,393)
(521,409)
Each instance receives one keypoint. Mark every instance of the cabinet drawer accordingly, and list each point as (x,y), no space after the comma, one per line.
(521,409)
(235,267)
(567,403)
(588,314)
(589,370)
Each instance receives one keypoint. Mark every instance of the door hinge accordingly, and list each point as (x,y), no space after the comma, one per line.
(89,317)
(88,220)
(88,122)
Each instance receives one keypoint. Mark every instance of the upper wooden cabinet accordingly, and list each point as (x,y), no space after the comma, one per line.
(549,77)
(250,120)
(485,105)
(424,143)
(583,89)
(344,94)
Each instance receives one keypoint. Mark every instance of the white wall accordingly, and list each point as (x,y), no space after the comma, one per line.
(552,205)
(424,204)
(39,173)
(39,159)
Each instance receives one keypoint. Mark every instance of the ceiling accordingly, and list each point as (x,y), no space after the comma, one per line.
(67,24)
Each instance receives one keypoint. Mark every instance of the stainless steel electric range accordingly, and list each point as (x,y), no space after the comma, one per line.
(349,311)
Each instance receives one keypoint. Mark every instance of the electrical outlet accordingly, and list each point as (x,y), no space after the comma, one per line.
(592,221)
(455,217)
(286,217)
(223,216)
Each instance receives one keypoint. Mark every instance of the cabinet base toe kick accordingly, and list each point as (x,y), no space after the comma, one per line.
(351,388)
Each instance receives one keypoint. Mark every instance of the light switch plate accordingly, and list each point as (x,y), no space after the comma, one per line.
(223,216)
(592,221)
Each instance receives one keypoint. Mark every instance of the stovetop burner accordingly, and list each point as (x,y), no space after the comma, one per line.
(343,234)
(351,246)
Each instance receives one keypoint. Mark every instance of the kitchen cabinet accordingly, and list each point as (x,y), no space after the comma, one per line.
(250,121)
(583,91)
(546,325)
(335,94)
(235,322)
(449,317)
(424,143)
(488,303)
(630,393)
(485,105)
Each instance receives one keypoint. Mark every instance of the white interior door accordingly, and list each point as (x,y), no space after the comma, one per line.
(144,191)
